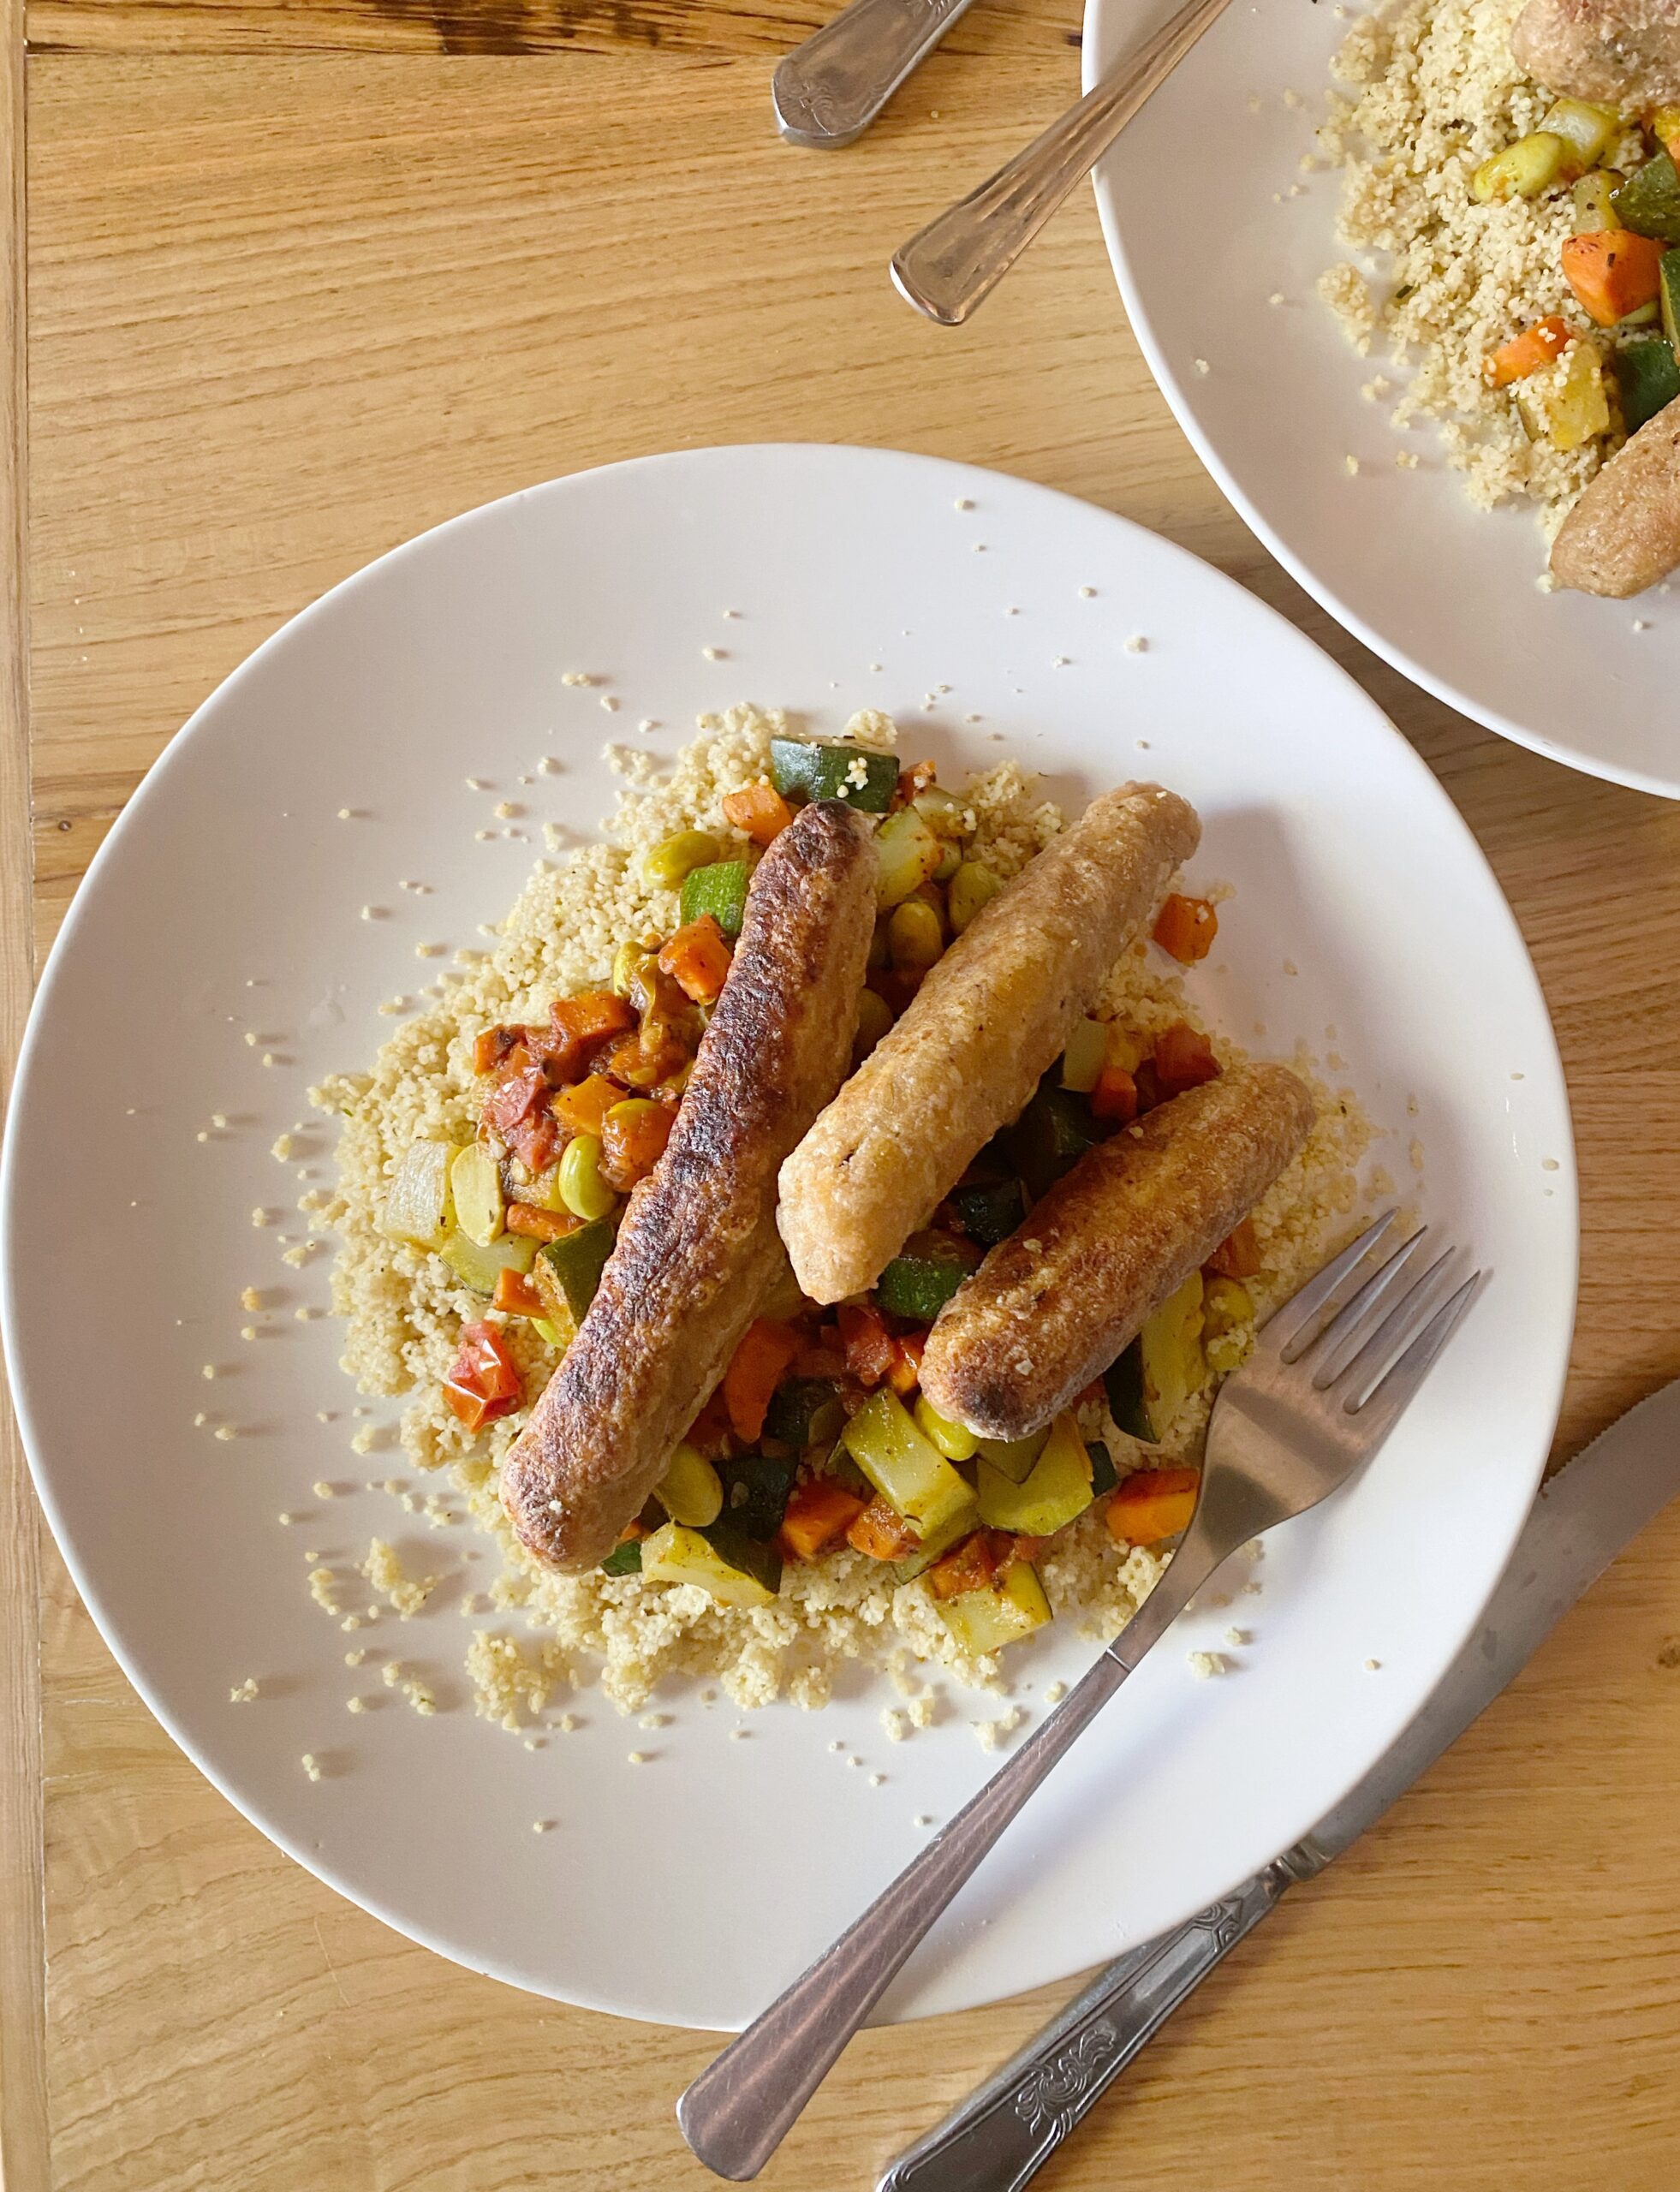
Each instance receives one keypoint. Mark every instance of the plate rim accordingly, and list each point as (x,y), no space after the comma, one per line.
(955,471)
(1184,412)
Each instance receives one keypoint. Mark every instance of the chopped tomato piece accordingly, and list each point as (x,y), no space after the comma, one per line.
(882,1532)
(583,1108)
(1526,352)
(1184,1059)
(632,1145)
(1115,1096)
(1153,1504)
(820,1510)
(905,1375)
(539,1224)
(513,1098)
(969,1566)
(697,958)
(1240,1256)
(1186,927)
(483,1379)
(755,1370)
(866,1342)
(515,1294)
(760,810)
(535,1142)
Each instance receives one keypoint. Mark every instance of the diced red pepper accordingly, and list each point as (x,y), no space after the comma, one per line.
(1184,1059)
(484,1380)
(515,1294)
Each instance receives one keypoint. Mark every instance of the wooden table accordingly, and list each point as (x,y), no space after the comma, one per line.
(306,276)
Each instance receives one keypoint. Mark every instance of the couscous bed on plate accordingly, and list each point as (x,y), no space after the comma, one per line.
(827,1581)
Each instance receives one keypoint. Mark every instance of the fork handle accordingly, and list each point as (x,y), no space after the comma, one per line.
(828,90)
(738,2110)
(1001,2136)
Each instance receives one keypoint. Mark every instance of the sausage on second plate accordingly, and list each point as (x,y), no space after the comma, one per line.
(1618,53)
(1623,534)
(1051,1307)
(698,1255)
(990,1018)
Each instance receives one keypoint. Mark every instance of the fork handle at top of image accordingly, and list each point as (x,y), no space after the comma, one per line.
(828,90)
(999,2138)
(952,265)
(739,2110)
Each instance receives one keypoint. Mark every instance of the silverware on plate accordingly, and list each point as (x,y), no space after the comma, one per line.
(828,90)
(996,2140)
(956,262)
(1330,1374)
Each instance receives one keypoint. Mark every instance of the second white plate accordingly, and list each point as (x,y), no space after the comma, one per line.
(1190,201)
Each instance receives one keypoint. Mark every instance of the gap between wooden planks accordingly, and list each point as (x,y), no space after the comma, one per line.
(287,312)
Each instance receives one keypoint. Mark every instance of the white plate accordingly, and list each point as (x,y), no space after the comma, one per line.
(691,1887)
(1445,592)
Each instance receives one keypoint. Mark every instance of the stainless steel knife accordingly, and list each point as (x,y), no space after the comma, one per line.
(996,2140)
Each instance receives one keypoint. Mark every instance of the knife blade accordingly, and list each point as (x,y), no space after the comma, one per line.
(995,2140)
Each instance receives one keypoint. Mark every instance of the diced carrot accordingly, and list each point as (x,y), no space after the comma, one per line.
(1526,352)
(1022,1548)
(584,1107)
(866,1342)
(1153,1504)
(1186,927)
(697,958)
(492,1045)
(917,777)
(1240,1256)
(633,1143)
(969,1566)
(539,1224)
(1613,271)
(755,1370)
(709,1433)
(632,1533)
(592,1017)
(515,1294)
(881,1531)
(820,1510)
(1115,1096)
(1184,1059)
(905,1375)
(760,810)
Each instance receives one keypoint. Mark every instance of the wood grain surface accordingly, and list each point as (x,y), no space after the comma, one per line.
(288,307)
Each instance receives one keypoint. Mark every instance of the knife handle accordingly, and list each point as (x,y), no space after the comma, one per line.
(996,2139)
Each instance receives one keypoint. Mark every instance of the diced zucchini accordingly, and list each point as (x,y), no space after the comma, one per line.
(1104,1474)
(1161,1369)
(985,1621)
(1670,295)
(907,853)
(989,1213)
(941,810)
(953,1440)
(805,1412)
(551,1335)
(480,1268)
(1594,197)
(920,1281)
(1082,1060)
(936,1543)
(736,1572)
(756,1489)
(906,1469)
(1586,130)
(574,1264)
(690,1491)
(476,1184)
(1523,170)
(624,1559)
(720,890)
(1648,202)
(417,1206)
(803,769)
(1059,1489)
(1050,1136)
(1016,1457)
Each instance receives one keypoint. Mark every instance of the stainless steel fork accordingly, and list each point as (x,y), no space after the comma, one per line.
(1329,1376)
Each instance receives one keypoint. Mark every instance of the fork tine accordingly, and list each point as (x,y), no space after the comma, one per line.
(1360,1375)
(1302,1307)
(1382,1406)
(1371,1308)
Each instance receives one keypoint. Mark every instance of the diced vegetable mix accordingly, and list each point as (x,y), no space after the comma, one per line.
(818,1437)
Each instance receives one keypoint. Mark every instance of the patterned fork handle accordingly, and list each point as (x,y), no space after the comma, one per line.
(828,90)
(997,2138)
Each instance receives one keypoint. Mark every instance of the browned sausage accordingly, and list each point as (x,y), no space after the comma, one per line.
(991,1017)
(1623,534)
(697,1254)
(1051,1307)
(1619,53)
